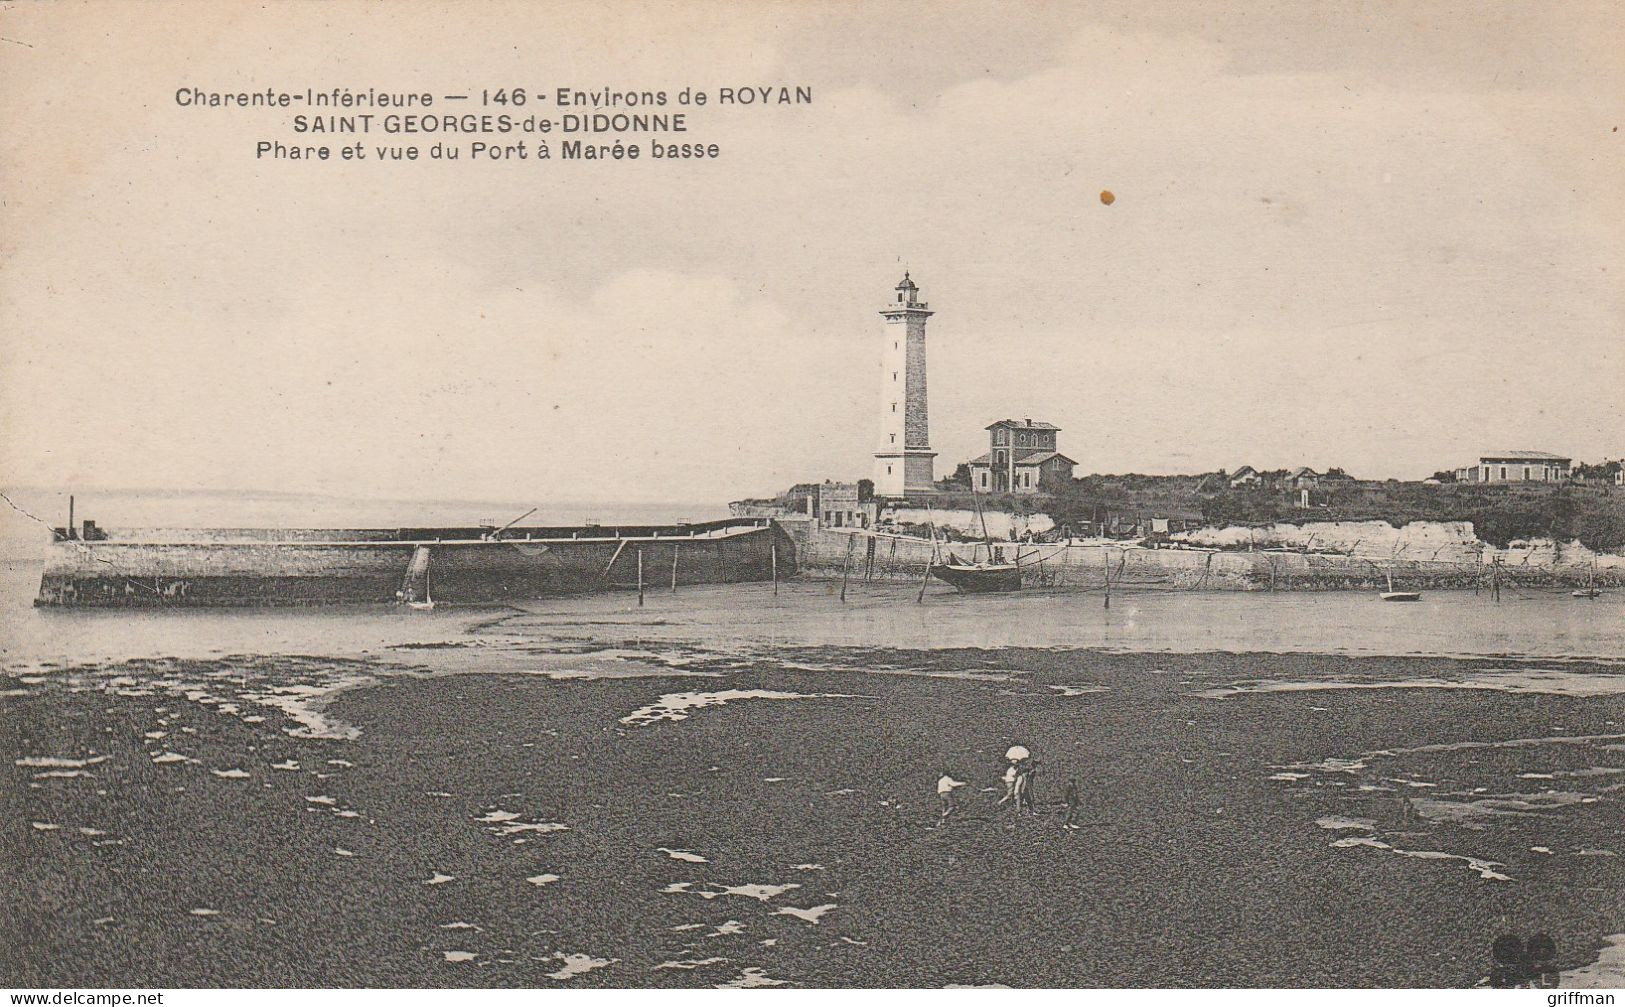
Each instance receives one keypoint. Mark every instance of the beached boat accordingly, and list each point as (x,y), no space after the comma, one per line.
(978,578)
(1392,595)
(1591,590)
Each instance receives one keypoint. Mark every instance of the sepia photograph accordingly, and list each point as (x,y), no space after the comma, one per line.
(686,495)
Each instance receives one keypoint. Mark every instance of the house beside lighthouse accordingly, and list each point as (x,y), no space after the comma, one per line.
(904,461)
(1021,458)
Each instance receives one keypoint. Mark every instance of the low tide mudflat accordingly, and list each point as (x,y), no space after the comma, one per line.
(575,813)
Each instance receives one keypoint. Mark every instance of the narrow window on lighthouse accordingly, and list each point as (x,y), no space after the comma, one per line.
(894,407)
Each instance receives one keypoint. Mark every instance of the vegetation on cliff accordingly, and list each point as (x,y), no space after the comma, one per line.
(1592,514)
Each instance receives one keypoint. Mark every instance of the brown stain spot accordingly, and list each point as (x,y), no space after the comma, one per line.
(1107,197)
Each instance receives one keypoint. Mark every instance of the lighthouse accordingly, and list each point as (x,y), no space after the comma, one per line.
(904,461)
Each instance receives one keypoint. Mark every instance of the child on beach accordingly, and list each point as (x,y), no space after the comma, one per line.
(946,785)
(1071,805)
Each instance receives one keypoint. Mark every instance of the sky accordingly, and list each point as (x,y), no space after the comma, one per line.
(1384,237)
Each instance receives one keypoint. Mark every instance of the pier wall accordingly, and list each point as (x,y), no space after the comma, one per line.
(310,569)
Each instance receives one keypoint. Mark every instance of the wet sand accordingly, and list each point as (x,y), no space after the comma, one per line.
(371,825)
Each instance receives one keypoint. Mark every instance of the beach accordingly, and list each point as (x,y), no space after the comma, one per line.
(516,806)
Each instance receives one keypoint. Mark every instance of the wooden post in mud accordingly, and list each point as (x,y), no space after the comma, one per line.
(1106,557)
(773,559)
(674,568)
(640,578)
(846,567)
(925,580)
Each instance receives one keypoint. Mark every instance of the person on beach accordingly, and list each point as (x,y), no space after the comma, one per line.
(1016,755)
(1025,796)
(1009,784)
(1071,804)
(946,785)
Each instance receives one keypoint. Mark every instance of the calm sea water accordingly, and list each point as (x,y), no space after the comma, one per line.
(811,614)
(1460,623)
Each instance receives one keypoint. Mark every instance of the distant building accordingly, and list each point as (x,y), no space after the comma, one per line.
(1245,476)
(1516,467)
(831,504)
(1021,458)
(1304,478)
(841,505)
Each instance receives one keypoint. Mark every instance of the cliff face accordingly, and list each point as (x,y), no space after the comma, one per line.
(1001,525)
(1322,556)
(1423,541)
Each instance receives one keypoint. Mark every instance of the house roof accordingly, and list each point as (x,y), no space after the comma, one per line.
(1521,456)
(1032,457)
(1042,457)
(1245,470)
(1301,471)
(1027,424)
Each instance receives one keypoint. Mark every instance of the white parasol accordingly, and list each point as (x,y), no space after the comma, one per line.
(1017,753)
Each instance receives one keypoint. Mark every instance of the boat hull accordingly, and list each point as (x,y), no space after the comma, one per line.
(979,580)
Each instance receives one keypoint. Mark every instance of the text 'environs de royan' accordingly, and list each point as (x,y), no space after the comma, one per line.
(563,97)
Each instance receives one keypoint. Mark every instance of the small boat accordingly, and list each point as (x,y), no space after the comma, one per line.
(426,603)
(414,590)
(1392,595)
(978,578)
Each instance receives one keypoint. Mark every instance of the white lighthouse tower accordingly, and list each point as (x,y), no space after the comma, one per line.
(904,459)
